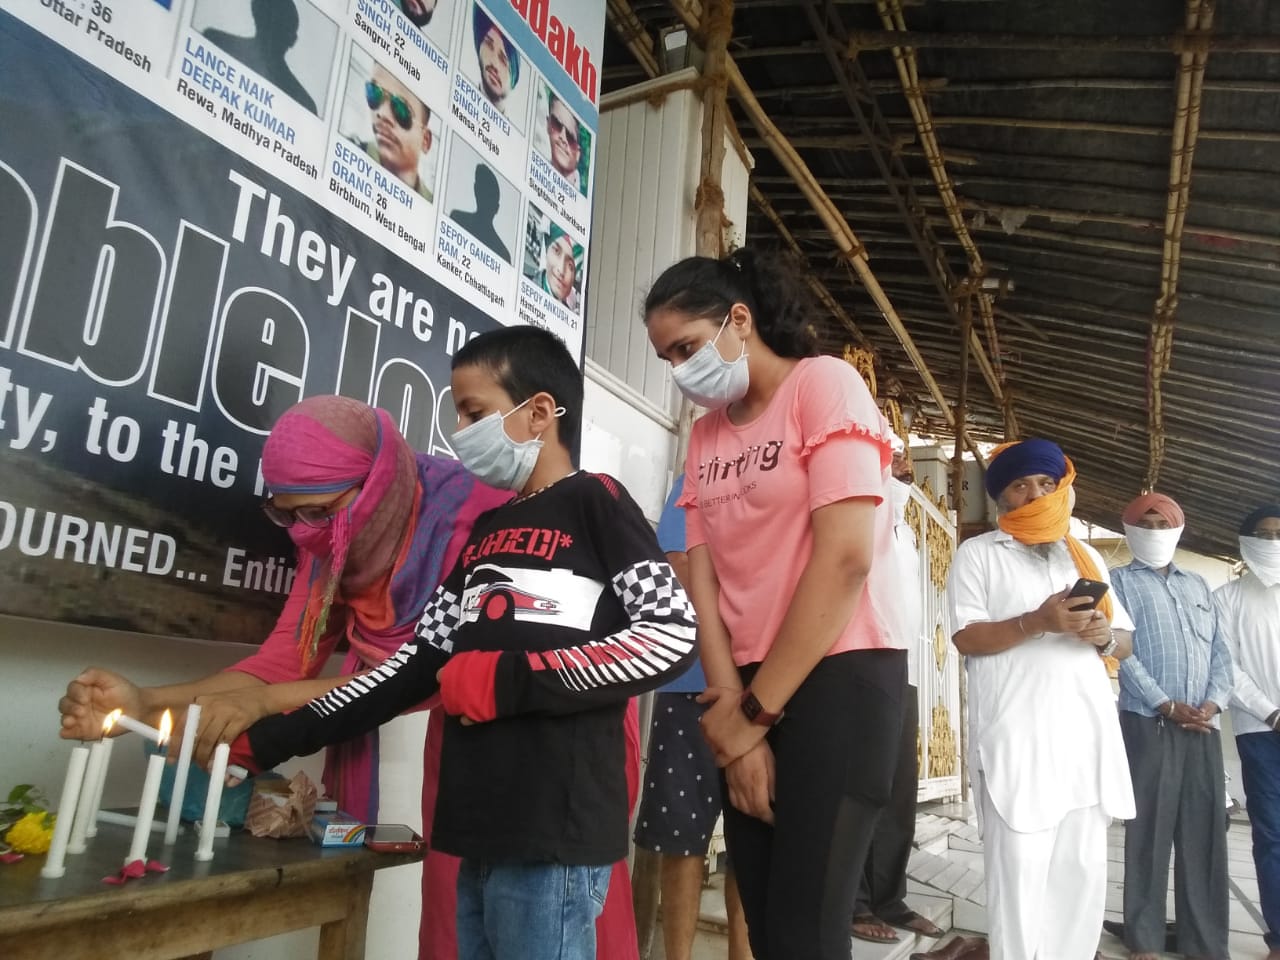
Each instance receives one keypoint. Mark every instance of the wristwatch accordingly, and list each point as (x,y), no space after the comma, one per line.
(1110,647)
(755,711)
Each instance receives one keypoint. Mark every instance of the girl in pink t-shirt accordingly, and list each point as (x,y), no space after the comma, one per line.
(784,483)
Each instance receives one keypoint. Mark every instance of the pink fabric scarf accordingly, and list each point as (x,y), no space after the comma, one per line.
(328,444)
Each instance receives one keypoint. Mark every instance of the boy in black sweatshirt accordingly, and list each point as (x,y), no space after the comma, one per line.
(560,608)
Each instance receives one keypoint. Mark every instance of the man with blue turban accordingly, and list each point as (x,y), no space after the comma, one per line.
(1046,757)
(499,59)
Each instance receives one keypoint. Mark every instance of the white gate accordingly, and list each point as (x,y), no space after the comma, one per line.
(938,747)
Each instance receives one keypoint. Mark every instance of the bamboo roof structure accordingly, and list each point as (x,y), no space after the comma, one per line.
(1083,194)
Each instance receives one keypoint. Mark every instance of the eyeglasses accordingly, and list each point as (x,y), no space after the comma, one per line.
(311,515)
(400,109)
(559,126)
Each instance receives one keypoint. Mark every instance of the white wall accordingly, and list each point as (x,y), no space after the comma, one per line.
(39,658)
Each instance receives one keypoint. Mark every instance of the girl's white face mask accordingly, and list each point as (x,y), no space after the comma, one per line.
(1263,558)
(708,379)
(1153,548)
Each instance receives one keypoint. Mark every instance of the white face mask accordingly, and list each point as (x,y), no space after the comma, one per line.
(708,379)
(1154,548)
(1263,558)
(488,451)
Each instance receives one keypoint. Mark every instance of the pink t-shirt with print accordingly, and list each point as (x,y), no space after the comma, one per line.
(750,489)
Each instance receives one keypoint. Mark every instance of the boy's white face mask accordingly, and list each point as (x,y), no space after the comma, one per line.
(486,449)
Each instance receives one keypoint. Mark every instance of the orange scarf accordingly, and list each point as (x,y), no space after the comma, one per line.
(1048,520)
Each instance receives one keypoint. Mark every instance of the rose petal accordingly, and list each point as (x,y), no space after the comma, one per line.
(116,881)
(134,869)
(155,866)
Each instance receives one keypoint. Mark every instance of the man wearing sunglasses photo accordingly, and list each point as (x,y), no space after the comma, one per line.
(563,135)
(401,137)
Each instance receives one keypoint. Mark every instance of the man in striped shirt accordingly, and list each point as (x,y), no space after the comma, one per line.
(1171,691)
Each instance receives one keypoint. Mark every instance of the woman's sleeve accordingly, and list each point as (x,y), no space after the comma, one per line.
(694,534)
(845,437)
(278,660)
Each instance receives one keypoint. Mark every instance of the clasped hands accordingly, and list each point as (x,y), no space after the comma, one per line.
(1198,719)
(739,746)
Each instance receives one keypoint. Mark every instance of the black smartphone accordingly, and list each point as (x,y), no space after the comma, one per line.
(392,838)
(1095,590)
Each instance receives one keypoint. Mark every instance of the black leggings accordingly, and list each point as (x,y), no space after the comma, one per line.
(835,752)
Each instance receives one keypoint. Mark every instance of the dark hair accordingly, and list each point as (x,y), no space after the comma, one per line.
(767,283)
(1250,525)
(525,360)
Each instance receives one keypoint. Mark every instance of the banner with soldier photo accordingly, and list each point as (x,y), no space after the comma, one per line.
(210,209)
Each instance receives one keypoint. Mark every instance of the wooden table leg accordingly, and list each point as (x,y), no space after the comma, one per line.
(344,939)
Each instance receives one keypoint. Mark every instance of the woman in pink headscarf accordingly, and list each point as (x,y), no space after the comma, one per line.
(377,527)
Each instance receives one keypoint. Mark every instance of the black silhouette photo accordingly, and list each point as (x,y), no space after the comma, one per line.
(481,202)
(289,43)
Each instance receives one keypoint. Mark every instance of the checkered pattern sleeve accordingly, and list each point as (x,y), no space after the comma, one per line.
(654,644)
(404,679)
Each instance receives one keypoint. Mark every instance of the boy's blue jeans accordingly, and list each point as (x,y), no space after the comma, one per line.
(1260,764)
(529,911)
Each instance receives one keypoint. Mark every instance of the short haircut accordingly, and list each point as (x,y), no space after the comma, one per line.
(525,360)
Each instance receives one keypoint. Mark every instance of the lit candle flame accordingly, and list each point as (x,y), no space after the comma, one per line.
(110,721)
(166,727)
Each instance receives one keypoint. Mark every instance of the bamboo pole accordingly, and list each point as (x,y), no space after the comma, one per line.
(850,248)
(819,289)
(1091,126)
(1189,41)
(838,141)
(872,123)
(716,28)
(633,33)
(1186,129)
(909,76)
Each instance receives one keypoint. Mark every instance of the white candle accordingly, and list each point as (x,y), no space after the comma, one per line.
(212,800)
(180,774)
(54,862)
(107,746)
(137,726)
(150,793)
(86,822)
(129,820)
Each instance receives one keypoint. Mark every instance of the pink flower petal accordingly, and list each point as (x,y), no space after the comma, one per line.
(155,866)
(116,880)
(10,857)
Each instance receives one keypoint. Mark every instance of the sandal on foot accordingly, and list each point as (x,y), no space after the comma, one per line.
(915,923)
(869,927)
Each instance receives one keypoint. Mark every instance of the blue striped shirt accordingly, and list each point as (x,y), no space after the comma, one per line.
(1179,651)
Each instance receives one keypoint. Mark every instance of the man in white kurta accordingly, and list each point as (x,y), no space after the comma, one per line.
(1249,615)
(1046,756)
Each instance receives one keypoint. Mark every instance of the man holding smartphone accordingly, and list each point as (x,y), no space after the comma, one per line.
(1047,760)
(1171,692)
